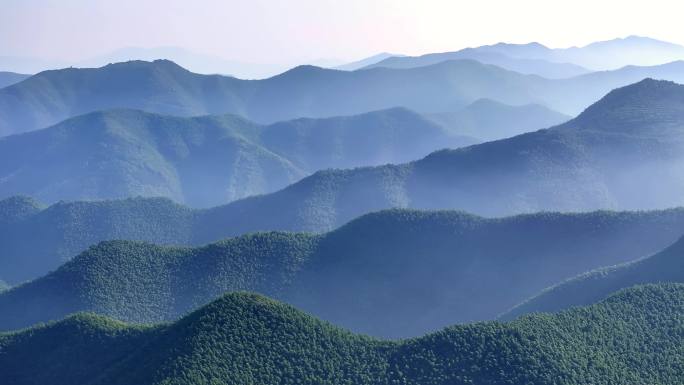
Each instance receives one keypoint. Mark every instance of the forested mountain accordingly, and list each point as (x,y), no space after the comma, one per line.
(306,91)
(202,161)
(396,273)
(487,119)
(588,288)
(9,78)
(633,337)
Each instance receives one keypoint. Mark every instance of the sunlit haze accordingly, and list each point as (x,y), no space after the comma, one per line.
(279,32)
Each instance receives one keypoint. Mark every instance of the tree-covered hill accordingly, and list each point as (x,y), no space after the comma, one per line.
(396,273)
(203,161)
(589,288)
(306,91)
(633,337)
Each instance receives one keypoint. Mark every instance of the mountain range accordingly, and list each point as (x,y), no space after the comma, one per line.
(205,161)
(543,68)
(624,152)
(306,91)
(535,58)
(396,273)
(632,337)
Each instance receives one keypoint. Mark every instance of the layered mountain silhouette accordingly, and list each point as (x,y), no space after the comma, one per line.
(543,68)
(624,152)
(487,119)
(602,55)
(396,273)
(203,161)
(9,78)
(306,91)
(365,62)
(591,287)
(245,339)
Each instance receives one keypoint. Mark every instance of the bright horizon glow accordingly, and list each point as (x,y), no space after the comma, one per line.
(287,32)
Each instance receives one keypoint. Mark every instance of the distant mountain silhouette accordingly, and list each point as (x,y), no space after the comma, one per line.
(203,161)
(487,119)
(365,62)
(603,55)
(166,88)
(539,67)
(9,78)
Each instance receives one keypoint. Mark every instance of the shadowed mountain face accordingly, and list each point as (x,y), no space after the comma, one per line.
(163,87)
(591,287)
(247,339)
(9,78)
(202,161)
(487,119)
(395,273)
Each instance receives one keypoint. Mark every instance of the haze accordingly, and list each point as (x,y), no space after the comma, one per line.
(280,34)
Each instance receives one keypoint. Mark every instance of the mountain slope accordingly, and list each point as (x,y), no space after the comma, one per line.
(396,273)
(588,288)
(487,119)
(202,161)
(632,337)
(306,91)
(9,78)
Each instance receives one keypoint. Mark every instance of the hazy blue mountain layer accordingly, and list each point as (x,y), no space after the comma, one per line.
(9,78)
(306,91)
(488,120)
(203,161)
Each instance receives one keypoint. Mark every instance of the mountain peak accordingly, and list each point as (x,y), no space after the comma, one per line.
(651,103)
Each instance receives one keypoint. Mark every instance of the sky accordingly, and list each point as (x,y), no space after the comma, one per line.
(296,31)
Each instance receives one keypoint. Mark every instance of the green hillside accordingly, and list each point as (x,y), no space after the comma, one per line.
(589,288)
(396,273)
(632,337)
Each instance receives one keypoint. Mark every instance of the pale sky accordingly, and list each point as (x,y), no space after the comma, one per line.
(290,31)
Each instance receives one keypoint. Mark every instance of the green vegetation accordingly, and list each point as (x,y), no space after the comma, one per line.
(633,337)
(395,273)
(588,288)
(202,161)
